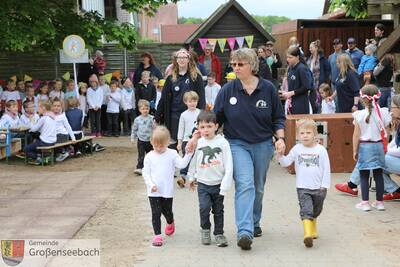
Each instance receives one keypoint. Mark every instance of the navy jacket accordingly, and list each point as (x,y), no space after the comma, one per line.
(347,88)
(299,82)
(252,118)
(74,117)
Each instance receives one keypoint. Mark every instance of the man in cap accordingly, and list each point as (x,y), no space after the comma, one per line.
(337,46)
(355,53)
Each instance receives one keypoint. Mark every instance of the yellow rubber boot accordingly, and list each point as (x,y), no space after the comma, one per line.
(308,226)
(314,232)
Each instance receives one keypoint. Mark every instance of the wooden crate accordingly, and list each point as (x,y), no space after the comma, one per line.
(335,132)
(15,147)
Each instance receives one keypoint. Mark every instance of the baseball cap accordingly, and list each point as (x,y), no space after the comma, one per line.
(351,40)
(270,43)
(337,41)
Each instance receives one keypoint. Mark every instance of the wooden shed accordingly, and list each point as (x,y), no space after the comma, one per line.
(229,20)
(326,30)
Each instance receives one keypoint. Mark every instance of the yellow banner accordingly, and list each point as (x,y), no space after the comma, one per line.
(222,43)
(249,40)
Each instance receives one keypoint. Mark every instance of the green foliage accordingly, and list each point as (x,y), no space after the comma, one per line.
(354,8)
(190,20)
(33,25)
(268,21)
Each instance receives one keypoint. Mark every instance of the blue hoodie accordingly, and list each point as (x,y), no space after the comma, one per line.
(368,63)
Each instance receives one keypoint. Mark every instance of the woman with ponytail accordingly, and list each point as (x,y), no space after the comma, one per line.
(370,145)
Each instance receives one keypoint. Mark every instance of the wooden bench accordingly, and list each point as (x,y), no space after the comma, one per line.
(50,149)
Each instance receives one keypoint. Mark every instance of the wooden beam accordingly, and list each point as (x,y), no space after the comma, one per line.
(390,42)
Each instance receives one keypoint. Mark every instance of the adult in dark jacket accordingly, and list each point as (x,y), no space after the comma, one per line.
(383,73)
(263,69)
(298,83)
(347,85)
(146,64)
(184,78)
(320,70)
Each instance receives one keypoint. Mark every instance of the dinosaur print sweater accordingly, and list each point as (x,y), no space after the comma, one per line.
(212,163)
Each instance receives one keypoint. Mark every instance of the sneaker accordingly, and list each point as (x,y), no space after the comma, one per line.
(39,160)
(364,206)
(244,242)
(62,156)
(138,171)
(20,155)
(157,241)
(221,241)
(205,236)
(257,231)
(78,153)
(98,148)
(391,196)
(346,189)
(181,182)
(378,205)
(169,229)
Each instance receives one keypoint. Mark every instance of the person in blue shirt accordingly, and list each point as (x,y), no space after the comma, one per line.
(368,63)
(337,46)
(355,53)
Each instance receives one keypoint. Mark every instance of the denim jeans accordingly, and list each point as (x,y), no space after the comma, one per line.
(210,199)
(392,166)
(250,166)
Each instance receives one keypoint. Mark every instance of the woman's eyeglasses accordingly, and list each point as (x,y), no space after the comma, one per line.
(182,58)
(240,64)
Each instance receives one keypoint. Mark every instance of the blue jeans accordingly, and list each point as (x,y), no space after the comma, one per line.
(250,166)
(392,166)
(386,96)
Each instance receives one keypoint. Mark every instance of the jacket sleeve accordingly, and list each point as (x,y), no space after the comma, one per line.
(354,83)
(181,128)
(286,161)
(327,71)
(219,105)
(199,88)
(68,128)
(218,69)
(278,62)
(304,81)
(157,72)
(159,116)
(278,114)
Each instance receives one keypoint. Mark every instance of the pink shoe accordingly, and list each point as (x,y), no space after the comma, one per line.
(170,229)
(157,241)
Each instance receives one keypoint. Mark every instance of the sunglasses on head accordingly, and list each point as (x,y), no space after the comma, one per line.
(240,64)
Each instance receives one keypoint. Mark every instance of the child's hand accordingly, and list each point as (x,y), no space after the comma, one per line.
(179,146)
(355,156)
(154,189)
(133,139)
(192,185)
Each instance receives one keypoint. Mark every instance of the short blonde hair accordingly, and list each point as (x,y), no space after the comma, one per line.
(143,103)
(191,95)
(160,136)
(307,124)
(46,104)
(246,54)
(145,73)
(72,102)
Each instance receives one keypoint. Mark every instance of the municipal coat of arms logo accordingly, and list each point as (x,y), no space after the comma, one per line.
(12,251)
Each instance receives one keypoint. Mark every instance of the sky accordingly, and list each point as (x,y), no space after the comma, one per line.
(294,9)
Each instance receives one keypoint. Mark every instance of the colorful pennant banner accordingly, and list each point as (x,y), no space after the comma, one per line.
(222,43)
(230,40)
(249,40)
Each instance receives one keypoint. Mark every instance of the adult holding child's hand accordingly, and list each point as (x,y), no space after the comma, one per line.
(251,112)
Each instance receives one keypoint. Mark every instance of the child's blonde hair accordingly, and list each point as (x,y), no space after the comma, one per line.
(11,103)
(46,104)
(326,88)
(160,136)
(191,95)
(307,124)
(145,73)
(72,102)
(143,103)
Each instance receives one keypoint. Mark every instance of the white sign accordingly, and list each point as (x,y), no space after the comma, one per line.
(64,58)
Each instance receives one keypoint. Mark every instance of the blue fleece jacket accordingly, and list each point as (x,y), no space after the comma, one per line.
(368,63)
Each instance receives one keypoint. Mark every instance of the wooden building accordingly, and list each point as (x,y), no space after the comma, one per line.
(326,30)
(229,20)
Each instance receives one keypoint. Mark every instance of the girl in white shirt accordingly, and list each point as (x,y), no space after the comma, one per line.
(158,174)
(327,103)
(369,145)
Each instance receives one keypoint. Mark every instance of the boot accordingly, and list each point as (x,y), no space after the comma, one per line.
(314,232)
(308,226)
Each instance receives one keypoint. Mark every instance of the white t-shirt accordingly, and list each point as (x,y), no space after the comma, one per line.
(63,126)
(59,94)
(10,95)
(187,121)
(46,125)
(28,121)
(312,166)
(211,93)
(113,102)
(159,171)
(7,121)
(370,131)
(328,107)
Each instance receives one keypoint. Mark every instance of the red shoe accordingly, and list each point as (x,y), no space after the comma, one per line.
(170,229)
(391,196)
(346,189)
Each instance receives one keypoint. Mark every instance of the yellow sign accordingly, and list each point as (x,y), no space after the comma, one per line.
(73,46)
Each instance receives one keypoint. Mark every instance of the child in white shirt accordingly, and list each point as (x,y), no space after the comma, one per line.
(113,100)
(212,168)
(94,99)
(158,173)
(211,90)
(313,176)
(57,92)
(83,104)
(11,94)
(43,93)
(369,144)
(10,118)
(29,117)
(128,105)
(327,104)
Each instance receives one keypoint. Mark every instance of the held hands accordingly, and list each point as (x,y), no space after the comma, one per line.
(280,147)
(154,189)
(354,108)
(179,146)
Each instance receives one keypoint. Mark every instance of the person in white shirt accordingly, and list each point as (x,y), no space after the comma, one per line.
(113,104)
(128,105)
(212,168)
(212,88)
(29,117)
(10,94)
(57,92)
(30,96)
(327,103)
(187,122)
(10,118)
(46,125)
(83,103)
(94,99)
(370,144)
(106,91)
(43,93)
(160,87)
(158,173)
(313,176)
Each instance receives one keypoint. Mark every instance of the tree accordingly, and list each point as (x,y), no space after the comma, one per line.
(268,21)
(32,25)
(190,20)
(354,8)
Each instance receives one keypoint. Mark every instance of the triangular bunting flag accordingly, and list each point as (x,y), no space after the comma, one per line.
(14,78)
(203,42)
(240,41)
(27,78)
(213,42)
(108,77)
(231,42)
(117,74)
(249,40)
(221,43)
(66,76)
